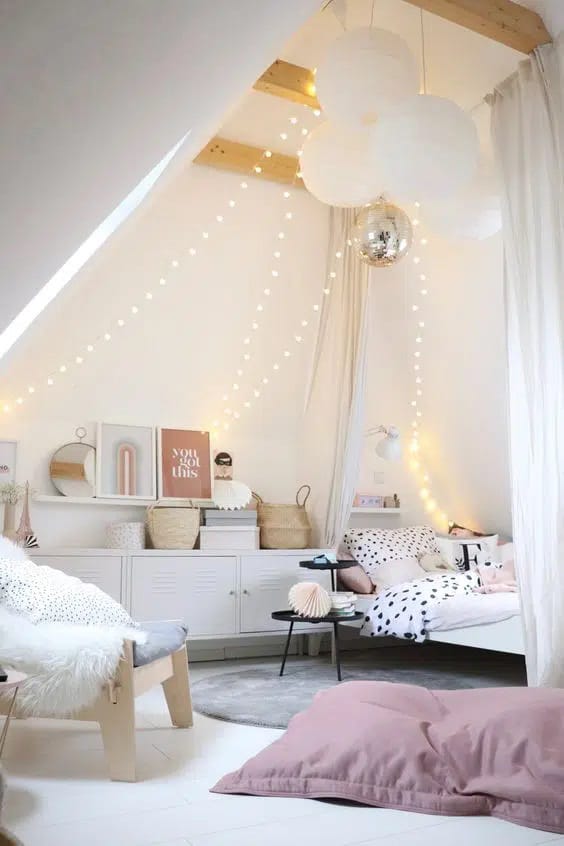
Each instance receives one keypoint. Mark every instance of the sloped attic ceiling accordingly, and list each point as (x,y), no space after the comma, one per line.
(95,94)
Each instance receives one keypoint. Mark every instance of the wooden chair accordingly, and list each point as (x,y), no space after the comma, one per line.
(114,709)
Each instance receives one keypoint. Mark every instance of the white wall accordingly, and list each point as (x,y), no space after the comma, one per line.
(171,363)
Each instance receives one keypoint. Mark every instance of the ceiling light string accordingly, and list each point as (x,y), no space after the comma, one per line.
(103,337)
(234,414)
(84,353)
(417,321)
(267,292)
(423,54)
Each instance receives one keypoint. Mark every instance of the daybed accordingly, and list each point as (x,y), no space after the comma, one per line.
(441,603)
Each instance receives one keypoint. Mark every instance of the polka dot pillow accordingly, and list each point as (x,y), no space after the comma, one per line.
(372,548)
(45,595)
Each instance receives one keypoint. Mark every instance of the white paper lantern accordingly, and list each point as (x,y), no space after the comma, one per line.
(309,599)
(340,167)
(365,72)
(427,147)
(473,213)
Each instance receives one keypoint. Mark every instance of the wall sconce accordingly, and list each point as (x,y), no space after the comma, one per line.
(389,448)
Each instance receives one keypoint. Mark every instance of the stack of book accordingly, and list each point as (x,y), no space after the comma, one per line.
(221,519)
(343,602)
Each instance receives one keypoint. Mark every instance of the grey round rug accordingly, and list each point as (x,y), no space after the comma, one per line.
(257,696)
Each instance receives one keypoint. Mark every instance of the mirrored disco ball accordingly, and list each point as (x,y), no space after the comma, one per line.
(382,234)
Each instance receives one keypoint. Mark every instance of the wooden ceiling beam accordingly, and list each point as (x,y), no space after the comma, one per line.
(292,82)
(242,158)
(504,21)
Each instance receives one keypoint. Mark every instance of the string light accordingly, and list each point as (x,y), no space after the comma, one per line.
(415,464)
(175,263)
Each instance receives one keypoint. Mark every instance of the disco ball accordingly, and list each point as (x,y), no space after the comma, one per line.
(381,234)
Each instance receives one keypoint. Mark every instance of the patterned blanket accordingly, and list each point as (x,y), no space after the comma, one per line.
(402,610)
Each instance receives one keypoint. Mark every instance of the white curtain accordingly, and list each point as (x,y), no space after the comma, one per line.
(528,135)
(334,415)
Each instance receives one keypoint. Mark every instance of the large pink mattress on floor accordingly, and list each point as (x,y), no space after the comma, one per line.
(497,751)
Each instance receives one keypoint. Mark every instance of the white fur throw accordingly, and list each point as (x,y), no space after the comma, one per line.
(11,550)
(68,664)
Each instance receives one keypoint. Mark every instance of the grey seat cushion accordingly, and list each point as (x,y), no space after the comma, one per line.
(163,638)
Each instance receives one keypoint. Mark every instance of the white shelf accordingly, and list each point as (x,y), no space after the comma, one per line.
(93,500)
(359,510)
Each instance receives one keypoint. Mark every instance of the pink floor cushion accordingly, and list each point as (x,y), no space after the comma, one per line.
(497,751)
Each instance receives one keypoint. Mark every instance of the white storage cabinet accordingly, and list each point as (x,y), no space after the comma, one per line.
(218,594)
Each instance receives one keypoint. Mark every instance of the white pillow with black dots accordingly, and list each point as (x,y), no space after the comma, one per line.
(44,595)
(372,548)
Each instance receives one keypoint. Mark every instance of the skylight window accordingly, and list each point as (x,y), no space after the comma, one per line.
(78,259)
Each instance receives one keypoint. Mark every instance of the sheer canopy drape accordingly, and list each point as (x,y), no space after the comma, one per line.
(528,135)
(334,415)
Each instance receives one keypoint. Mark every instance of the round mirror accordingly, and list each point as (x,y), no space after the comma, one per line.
(73,470)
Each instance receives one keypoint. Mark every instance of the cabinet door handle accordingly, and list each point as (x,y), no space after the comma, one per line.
(246,592)
(232,593)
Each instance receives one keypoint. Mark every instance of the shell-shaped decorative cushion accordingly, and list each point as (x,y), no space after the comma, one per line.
(308,599)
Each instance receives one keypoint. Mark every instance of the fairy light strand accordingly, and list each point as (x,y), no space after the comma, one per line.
(162,280)
(417,322)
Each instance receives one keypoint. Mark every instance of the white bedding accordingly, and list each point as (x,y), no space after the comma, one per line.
(435,603)
(473,610)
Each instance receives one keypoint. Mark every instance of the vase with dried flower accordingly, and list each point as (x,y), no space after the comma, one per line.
(10,494)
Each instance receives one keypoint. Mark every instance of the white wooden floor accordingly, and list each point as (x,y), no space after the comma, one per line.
(58,794)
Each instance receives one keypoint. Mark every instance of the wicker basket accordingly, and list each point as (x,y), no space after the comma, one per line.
(284,526)
(173,528)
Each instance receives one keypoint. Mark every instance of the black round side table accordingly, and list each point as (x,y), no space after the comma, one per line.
(323,563)
(334,619)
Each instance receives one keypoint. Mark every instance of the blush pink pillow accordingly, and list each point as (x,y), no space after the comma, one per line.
(496,751)
(355,579)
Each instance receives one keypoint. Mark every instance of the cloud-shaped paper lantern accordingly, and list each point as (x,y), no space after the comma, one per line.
(340,166)
(428,148)
(473,213)
(365,72)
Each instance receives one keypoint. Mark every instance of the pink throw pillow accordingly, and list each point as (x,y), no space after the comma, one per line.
(355,579)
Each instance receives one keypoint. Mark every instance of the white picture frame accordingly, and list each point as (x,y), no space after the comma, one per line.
(121,442)
(8,456)
(161,482)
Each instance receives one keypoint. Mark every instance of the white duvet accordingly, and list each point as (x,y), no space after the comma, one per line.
(436,603)
(475,609)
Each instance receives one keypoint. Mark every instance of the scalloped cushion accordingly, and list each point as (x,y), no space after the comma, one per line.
(496,751)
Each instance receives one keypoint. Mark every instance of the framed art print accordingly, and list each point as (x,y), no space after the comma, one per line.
(125,462)
(8,461)
(184,464)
